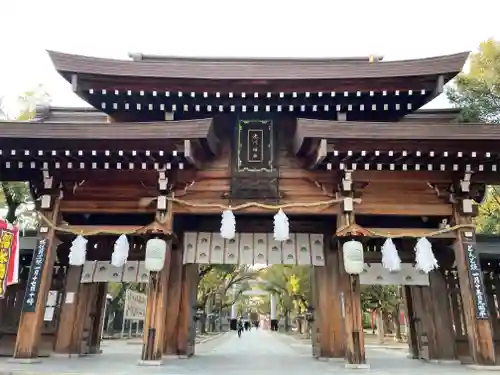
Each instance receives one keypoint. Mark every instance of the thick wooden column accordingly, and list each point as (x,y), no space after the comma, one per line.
(97,318)
(353,317)
(38,285)
(156,310)
(328,326)
(173,303)
(412,324)
(440,335)
(187,329)
(69,318)
(479,332)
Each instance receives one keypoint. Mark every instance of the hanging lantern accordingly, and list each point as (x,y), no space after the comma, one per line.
(353,257)
(156,250)
(120,252)
(390,257)
(424,257)
(78,251)
(228,225)
(281,226)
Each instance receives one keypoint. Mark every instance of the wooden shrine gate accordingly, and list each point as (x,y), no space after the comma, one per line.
(340,147)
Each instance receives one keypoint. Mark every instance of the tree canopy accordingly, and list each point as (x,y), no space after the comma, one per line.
(477,92)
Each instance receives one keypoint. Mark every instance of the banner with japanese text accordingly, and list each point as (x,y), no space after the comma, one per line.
(9,256)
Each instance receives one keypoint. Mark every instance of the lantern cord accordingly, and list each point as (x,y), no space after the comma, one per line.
(355,229)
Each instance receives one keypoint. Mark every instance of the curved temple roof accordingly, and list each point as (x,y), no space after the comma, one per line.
(255,69)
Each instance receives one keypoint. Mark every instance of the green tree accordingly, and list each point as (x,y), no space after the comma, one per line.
(215,287)
(292,286)
(477,92)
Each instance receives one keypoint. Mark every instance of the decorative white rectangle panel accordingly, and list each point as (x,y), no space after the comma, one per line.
(289,253)
(88,271)
(303,248)
(190,241)
(246,248)
(273,250)
(142,273)
(260,248)
(376,274)
(232,250)
(203,248)
(217,249)
(253,248)
(105,272)
(130,271)
(317,249)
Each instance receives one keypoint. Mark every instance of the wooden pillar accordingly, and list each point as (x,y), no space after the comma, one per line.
(410,314)
(97,318)
(156,310)
(441,337)
(39,282)
(479,332)
(187,330)
(173,303)
(70,319)
(353,317)
(328,324)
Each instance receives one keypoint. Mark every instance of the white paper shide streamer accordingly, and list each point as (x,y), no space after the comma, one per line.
(120,251)
(78,251)
(390,257)
(424,257)
(228,225)
(281,226)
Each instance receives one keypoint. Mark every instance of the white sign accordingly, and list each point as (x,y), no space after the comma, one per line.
(135,305)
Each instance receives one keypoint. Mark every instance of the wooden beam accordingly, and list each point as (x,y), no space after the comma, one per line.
(109,207)
(415,232)
(319,154)
(398,176)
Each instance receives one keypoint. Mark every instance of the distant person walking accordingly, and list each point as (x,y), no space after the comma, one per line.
(240,328)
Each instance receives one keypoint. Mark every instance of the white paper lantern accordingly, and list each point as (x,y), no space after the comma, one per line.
(353,257)
(156,250)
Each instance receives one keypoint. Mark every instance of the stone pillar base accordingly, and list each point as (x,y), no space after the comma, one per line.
(24,360)
(150,363)
(357,366)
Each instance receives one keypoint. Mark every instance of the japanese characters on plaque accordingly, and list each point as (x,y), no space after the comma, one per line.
(35,276)
(6,243)
(255,146)
(476,279)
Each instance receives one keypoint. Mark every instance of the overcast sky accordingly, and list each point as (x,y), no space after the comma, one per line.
(248,28)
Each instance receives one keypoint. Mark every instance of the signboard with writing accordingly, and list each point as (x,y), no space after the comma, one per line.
(476,279)
(6,245)
(35,275)
(255,146)
(135,305)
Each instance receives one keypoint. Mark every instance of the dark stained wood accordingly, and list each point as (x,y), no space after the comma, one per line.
(479,332)
(339,130)
(69,313)
(258,69)
(186,328)
(173,304)
(329,324)
(354,331)
(30,324)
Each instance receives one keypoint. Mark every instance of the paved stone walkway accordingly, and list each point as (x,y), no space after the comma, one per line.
(255,353)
